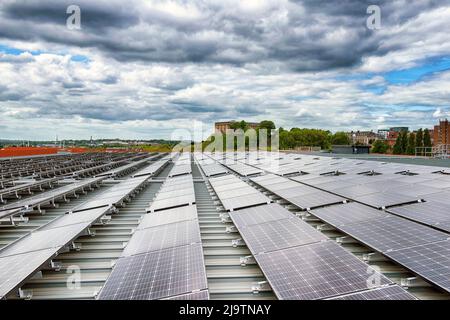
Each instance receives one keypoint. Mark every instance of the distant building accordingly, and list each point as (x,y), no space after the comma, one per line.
(441,133)
(392,137)
(363,137)
(226,125)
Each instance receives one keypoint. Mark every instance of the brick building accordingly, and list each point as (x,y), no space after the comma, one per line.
(441,133)
(225,125)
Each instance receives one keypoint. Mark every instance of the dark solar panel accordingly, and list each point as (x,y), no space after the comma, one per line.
(430,261)
(387,293)
(347,213)
(259,214)
(199,295)
(156,275)
(162,237)
(16,268)
(431,213)
(384,200)
(391,233)
(317,199)
(317,271)
(275,235)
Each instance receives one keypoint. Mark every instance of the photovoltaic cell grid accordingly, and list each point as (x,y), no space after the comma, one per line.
(347,213)
(391,233)
(157,275)
(384,200)
(430,261)
(45,239)
(162,237)
(316,271)
(259,214)
(430,213)
(168,216)
(276,235)
(17,268)
(387,293)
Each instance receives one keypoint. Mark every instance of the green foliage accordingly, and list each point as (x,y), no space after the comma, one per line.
(426,138)
(404,140)
(411,147)
(340,138)
(398,145)
(380,146)
(239,125)
(267,124)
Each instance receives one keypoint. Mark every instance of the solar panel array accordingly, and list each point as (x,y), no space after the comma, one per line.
(298,261)
(23,257)
(164,257)
(417,193)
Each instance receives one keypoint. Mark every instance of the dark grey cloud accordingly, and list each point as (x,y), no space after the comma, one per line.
(128,31)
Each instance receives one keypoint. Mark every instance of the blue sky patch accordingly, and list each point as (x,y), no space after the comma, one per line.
(16,52)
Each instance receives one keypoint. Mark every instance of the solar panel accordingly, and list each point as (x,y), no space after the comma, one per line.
(347,213)
(317,271)
(356,191)
(385,200)
(168,216)
(259,214)
(237,192)
(16,268)
(391,233)
(276,235)
(314,200)
(45,239)
(157,275)
(442,197)
(431,213)
(244,201)
(386,293)
(430,261)
(162,237)
(87,216)
(199,295)
(171,203)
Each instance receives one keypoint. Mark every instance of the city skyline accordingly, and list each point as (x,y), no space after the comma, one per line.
(140,70)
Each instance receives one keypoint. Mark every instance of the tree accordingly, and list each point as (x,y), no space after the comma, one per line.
(267,124)
(239,125)
(426,139)
(419,140)
(398,145)
(380,146)
(340,138)
(411,147)
(404,140)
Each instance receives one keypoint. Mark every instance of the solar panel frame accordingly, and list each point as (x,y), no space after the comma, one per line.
(383,200)
(250,200)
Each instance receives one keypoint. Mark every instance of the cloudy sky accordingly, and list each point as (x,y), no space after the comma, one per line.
(143,68)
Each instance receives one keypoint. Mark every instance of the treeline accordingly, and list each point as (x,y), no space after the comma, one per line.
(406,143)
(295,137)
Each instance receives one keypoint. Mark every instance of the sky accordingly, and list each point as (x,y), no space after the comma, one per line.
(141,69)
